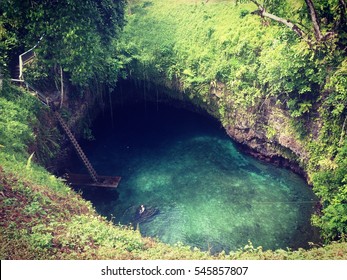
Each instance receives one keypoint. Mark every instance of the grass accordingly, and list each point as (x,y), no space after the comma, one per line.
(42,218)
(41,222)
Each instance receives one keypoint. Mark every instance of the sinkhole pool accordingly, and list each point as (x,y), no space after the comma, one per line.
(195,184)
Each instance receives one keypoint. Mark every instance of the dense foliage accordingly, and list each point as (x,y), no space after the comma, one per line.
(193,46)
(41,218)
(76,35)
(15,133)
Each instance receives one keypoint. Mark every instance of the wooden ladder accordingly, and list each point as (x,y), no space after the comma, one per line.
(78,148)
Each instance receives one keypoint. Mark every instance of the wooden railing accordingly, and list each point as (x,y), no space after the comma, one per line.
(43,98)
(25,58)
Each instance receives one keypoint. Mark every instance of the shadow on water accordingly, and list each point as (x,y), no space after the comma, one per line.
(196,186)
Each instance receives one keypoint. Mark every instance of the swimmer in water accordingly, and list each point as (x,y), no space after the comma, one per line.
(142,209)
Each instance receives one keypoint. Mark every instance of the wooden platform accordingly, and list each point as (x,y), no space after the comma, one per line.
(84,180)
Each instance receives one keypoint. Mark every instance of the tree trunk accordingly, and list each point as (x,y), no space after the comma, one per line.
(315,22)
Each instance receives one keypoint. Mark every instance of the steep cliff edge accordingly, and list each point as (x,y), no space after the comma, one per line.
(268,132)
(273,92)
(265,130)
(277,90)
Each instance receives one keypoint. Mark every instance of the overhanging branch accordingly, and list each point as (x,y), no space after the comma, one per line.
(262,12)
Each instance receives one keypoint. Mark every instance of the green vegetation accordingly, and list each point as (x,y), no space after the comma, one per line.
(191,46)
(79,36)
(42,218)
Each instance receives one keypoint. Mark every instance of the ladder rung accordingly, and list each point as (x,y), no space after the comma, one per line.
(78,148)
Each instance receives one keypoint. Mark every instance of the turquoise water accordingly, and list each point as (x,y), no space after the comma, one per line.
(196,186)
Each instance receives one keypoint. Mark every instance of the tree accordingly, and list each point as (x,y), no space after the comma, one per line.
(333,12)
(78,35)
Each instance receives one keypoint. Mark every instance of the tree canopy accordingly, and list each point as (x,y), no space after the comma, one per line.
(77,35)
(314,22)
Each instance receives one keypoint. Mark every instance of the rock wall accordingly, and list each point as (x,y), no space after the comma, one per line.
(265,130)
(267,133)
